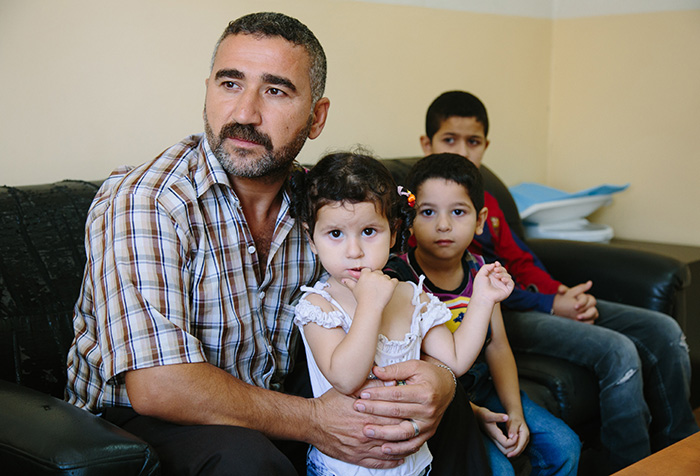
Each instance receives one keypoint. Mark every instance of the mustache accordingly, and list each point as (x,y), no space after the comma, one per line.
(247,132)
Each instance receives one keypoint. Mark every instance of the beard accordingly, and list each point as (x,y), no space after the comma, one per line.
(242,162)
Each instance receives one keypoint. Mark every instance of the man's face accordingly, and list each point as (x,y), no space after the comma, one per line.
(258,110)
(459,135)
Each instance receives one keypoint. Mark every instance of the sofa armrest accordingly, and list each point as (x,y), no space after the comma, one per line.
(40,434)
(619,274)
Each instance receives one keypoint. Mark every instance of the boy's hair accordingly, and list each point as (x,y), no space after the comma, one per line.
(270,24)
(449,167)
(455,103)
(349,177)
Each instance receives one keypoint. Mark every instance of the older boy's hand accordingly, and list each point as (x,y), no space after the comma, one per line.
(574,303)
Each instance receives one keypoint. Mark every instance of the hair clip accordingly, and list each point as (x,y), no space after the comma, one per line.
(410,198)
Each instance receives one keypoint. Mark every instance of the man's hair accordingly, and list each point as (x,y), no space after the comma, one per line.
(449,167)
(451,104)
(268,24)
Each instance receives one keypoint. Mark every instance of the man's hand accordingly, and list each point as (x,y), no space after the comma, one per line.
(574,303)
(339,433)
(428,392)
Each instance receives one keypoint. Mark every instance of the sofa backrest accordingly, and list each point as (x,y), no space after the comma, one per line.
(42,258)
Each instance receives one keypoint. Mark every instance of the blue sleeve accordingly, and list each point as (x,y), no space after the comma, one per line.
(525,300)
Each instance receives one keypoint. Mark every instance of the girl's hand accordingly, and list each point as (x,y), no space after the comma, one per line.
(493,282)
(372,286)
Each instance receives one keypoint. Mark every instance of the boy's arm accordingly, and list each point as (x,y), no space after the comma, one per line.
(535,287)
(504,373)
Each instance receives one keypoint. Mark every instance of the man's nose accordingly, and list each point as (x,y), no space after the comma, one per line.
(246,109)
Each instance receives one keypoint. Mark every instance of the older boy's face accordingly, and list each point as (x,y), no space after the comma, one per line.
(459,135)
(446,220)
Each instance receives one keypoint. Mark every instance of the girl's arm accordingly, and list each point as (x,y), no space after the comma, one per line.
(346,359)
(460,349)
(501,362)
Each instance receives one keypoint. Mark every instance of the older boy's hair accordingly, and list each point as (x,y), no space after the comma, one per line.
(455,103)
(270,24)
(449,167)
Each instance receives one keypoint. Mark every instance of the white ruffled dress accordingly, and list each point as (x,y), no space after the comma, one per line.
(425,316)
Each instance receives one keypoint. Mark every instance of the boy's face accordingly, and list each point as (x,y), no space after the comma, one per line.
(459,135)
(446,220)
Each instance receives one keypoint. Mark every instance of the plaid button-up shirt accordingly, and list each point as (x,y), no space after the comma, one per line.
(170,278)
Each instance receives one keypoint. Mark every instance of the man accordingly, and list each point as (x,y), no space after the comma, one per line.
(639,356)
(183,330)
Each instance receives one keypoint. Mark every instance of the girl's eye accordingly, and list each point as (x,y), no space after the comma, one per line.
(369,231)
(427,213)
(335,233)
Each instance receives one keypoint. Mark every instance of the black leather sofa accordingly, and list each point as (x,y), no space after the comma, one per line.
(41,265)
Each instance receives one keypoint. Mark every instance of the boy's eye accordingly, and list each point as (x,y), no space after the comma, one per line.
(458,212)
(449,140)
(369,231)
(474,142)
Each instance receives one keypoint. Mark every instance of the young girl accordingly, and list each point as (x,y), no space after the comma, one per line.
(359,317)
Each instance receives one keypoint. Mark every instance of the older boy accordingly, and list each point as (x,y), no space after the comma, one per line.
(634,352)
(449,205)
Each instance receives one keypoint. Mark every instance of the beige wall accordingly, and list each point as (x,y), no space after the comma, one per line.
(626,108)
(88,85)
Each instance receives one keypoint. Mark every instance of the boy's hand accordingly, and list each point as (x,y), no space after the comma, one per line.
(372,286)
(574,303)
(518,434)
(493,282)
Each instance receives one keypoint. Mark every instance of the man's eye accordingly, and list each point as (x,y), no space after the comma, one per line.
(275,92)
(228,84)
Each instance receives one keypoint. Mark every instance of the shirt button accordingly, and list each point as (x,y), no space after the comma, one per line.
(262,295)
(251,249)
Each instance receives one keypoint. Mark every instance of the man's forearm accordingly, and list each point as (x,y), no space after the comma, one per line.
(201,393)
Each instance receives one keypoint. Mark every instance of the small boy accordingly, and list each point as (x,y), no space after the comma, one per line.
(638,356)
(449,207)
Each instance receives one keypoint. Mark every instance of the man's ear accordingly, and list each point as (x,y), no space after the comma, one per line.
(481,220)
(426,144)
(320,116)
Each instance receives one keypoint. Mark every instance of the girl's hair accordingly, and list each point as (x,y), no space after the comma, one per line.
(352,178)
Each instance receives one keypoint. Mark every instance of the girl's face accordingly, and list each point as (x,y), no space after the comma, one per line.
(351,236)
